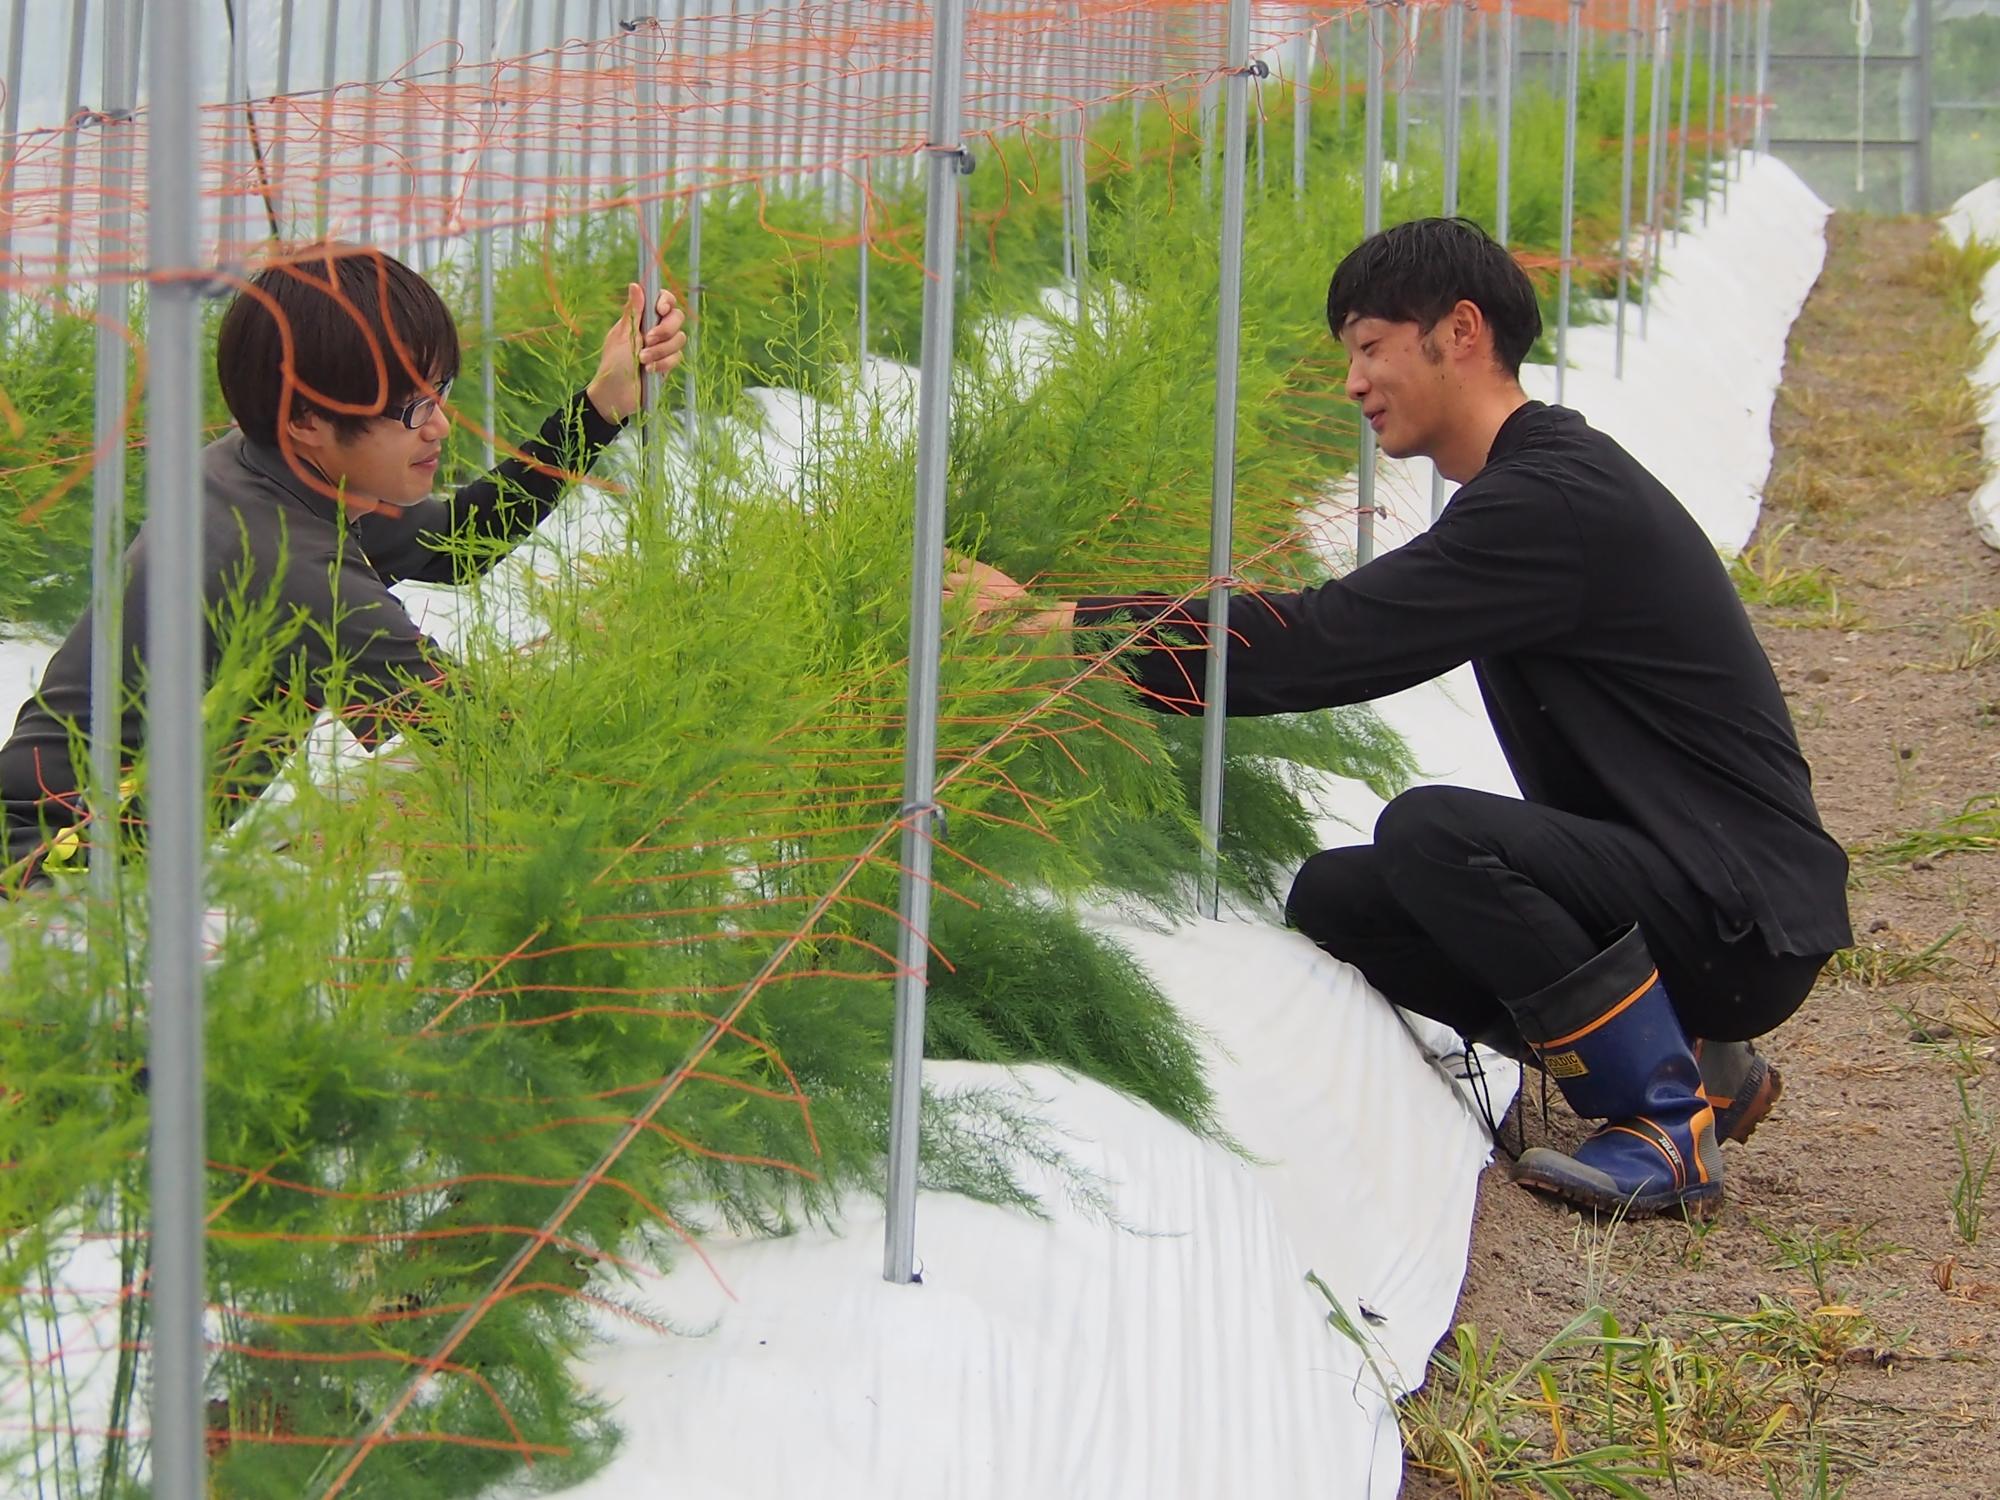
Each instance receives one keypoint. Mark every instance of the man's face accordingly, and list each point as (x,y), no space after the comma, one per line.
(1401,382)
(385,462)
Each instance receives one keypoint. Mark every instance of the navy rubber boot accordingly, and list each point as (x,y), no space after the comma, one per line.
(1741,1084)
(1608,1035)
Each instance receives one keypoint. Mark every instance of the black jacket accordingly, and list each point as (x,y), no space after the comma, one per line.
(1618,667)
(266,533)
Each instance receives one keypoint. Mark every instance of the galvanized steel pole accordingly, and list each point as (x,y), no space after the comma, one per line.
(1482,77)
(1762,140)
(1625,180)
(236,88)
(329,39)
(175,805)
(646,267)
(1454,70)
(283,90)
(1302,68)
(79,18)
(107,504)
(10,125)
(1454,75)
(1222,480)
(1708,145)
(1564,274)
(1346,24)
(945,160)
(1920,105)
(1728,98)
(1371,223)
(524,43)
(1504,130)
(693,413)
(1655,110)
(1076,203)
(552,155)
(1681,138)
(1406,66)
(411,244)
(370,187)
(863,206)
(489,48)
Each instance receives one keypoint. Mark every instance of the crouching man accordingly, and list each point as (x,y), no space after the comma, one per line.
(335,365)
(1662,891)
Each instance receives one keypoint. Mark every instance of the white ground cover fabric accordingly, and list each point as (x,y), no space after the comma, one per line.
(1179,1355)
(1976,216)
(1171,1347)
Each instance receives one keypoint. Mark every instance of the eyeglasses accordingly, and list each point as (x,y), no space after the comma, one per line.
(417,410)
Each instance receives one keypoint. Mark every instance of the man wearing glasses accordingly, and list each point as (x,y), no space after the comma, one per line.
(334,365)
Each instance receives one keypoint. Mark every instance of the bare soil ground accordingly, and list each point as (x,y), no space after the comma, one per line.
(1839,1296)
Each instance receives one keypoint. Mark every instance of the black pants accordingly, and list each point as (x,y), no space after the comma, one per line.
(1467,901)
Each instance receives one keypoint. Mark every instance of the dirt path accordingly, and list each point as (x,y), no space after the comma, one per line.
(1837,1298)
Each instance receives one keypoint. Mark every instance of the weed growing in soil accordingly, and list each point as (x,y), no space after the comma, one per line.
(1979,641)
(1978,1147)
(1612,1411)
(1954,269)
(1763,577)
(1878,965)
(1816,1251)
(1975,827)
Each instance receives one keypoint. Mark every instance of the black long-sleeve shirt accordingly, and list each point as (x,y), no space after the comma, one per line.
(1619,669)
(268,534)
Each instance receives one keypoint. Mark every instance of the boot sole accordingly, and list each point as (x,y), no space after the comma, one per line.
(1746,1112)
(1699,1202)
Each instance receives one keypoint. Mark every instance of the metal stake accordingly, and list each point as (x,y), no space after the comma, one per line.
(1302,66)
(1077,206)
(1681,140)
(175,805)
(409,242)
(946,158)
(370,187)
(1924,26)
(1454,75)
(1346,25)
(236,88)
(1762,139)
(1655,108)
(79,16)
(329,47)
(1728,98)
(1222,483)
(1708,146)
(1504,131)
(523,45)
(1625,180)
(107,506)
(1371,223)
(1406,66)
(10,123)
(1454,70)
(282,91)
(1563,276)
(693,414)
(863,209)
(489,48)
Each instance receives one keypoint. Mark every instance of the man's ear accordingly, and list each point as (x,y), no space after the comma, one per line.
(1467,330)
(307,430)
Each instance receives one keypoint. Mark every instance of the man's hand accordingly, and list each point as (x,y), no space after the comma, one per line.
(995,597)
(615,389)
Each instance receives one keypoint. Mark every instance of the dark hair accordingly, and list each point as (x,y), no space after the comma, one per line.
(364,332)
(1419,271)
